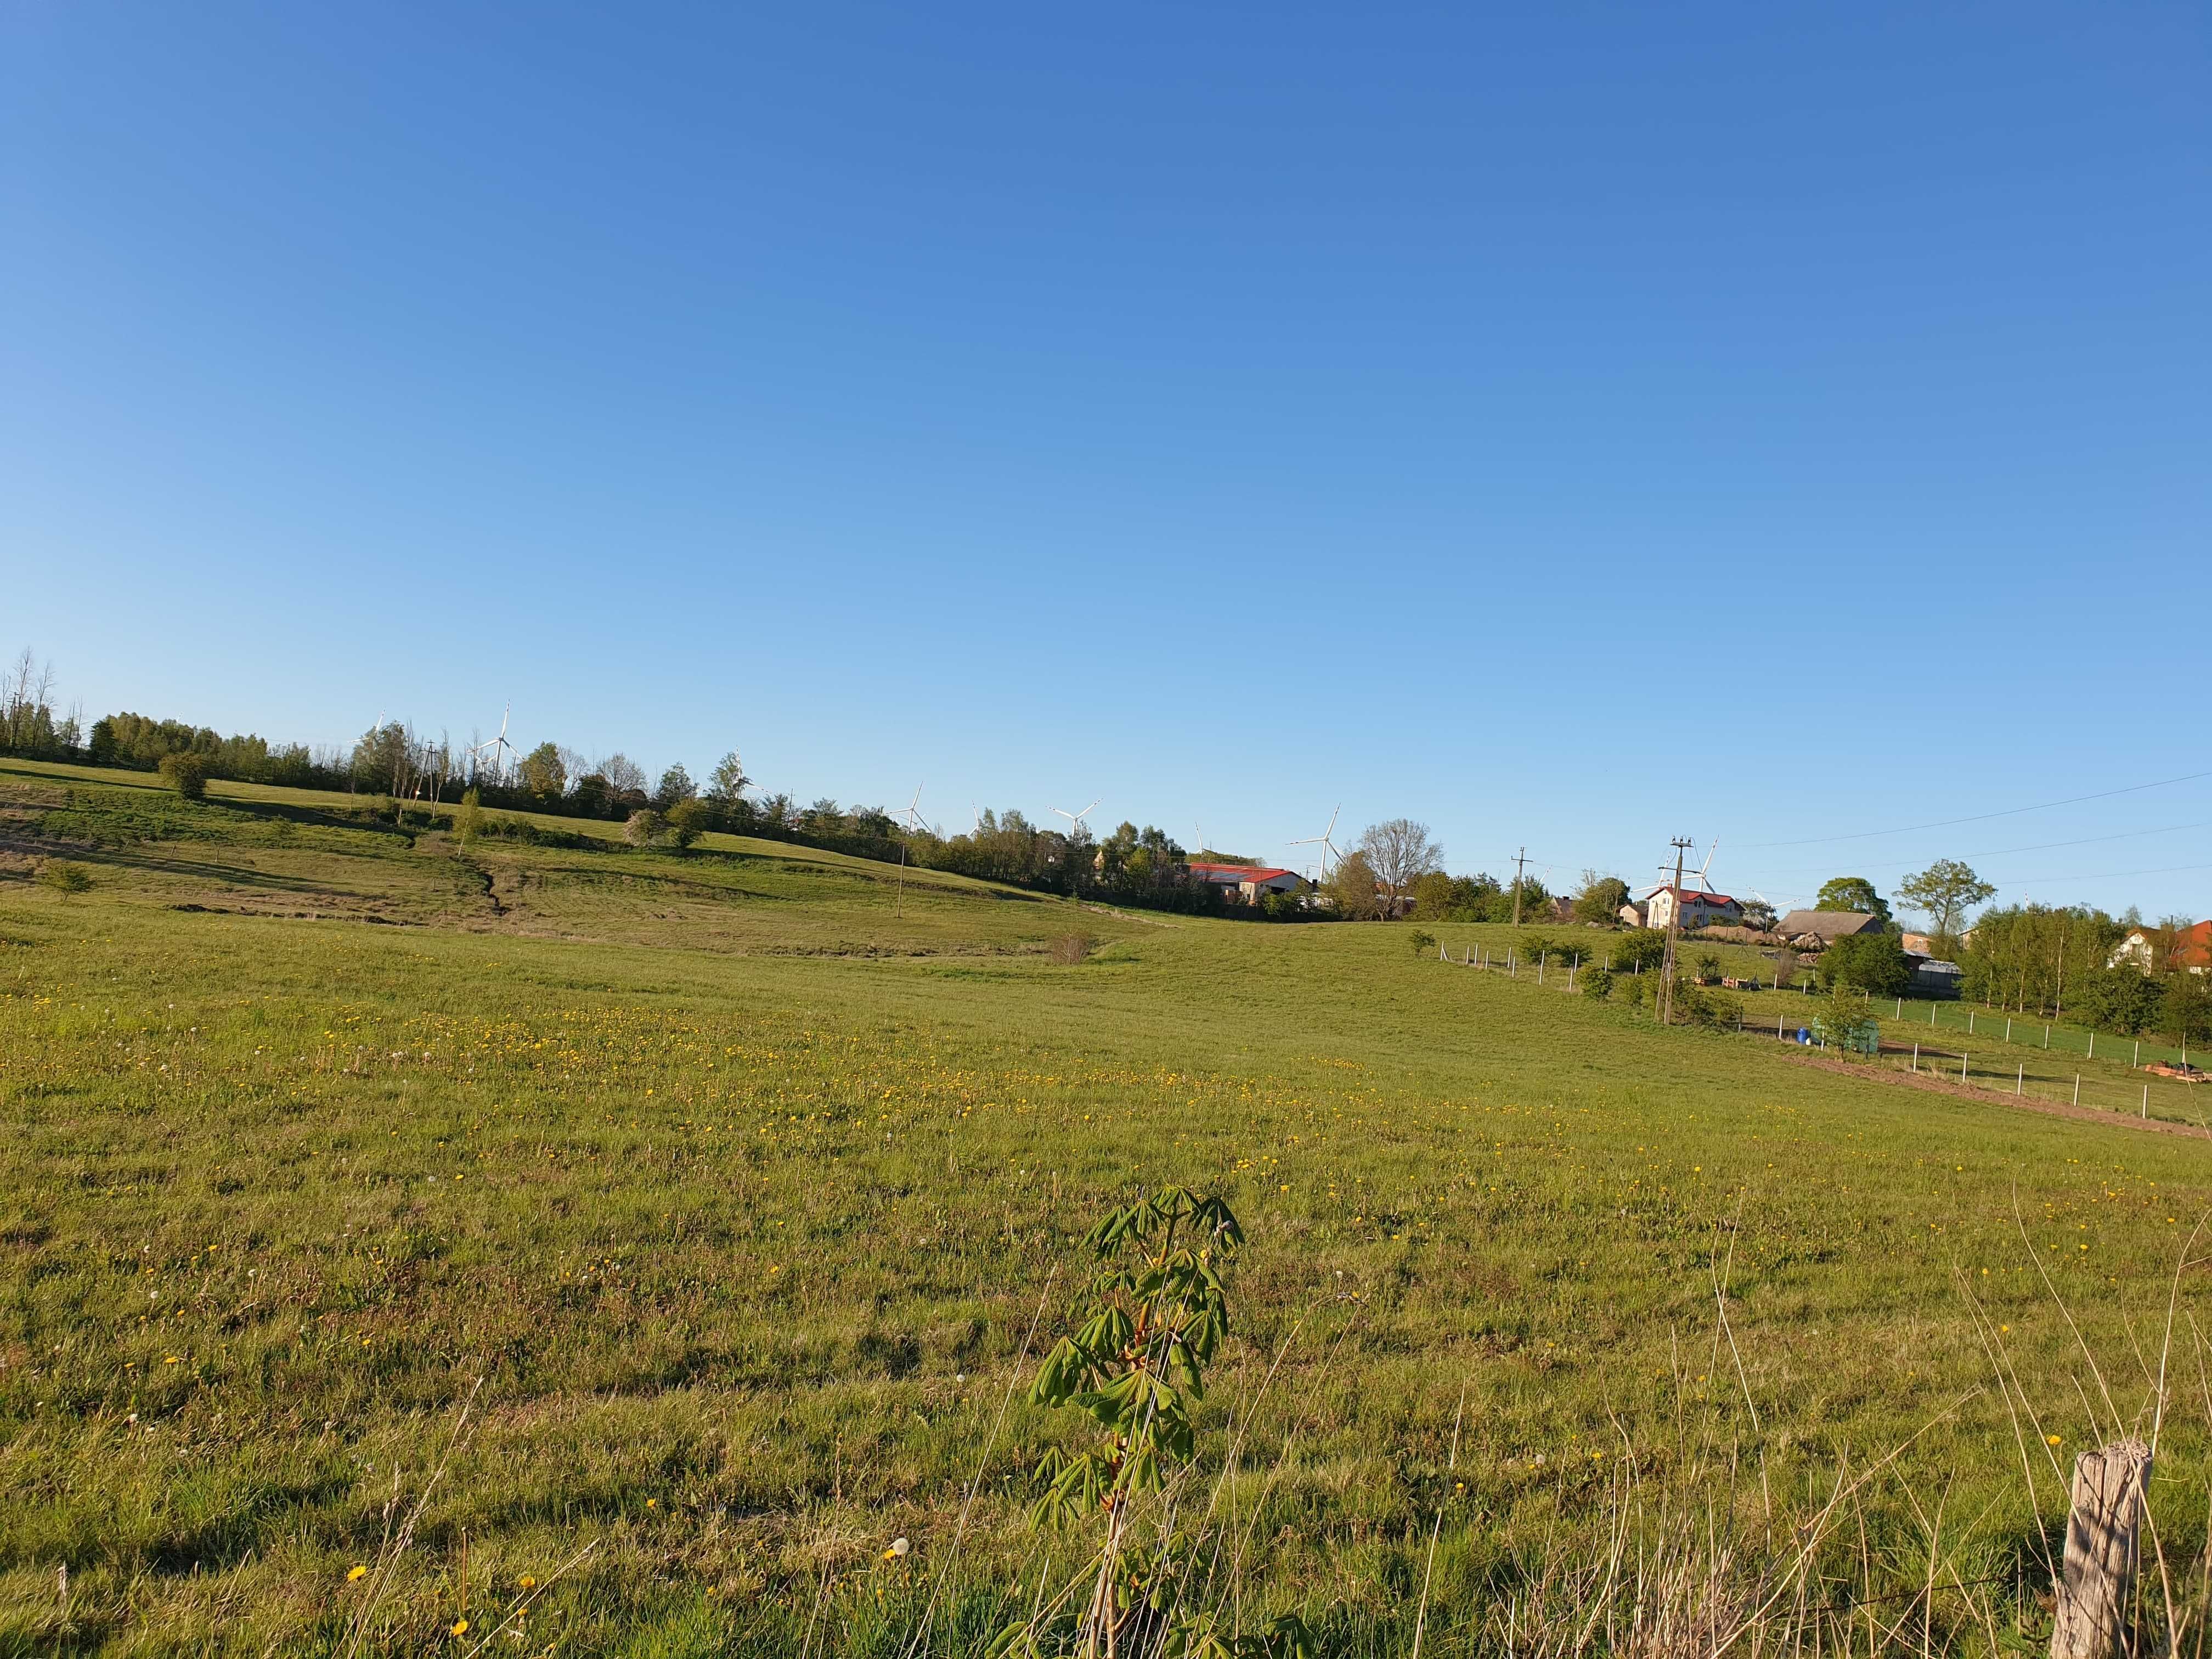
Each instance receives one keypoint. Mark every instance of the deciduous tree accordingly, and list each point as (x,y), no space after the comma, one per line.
(624,776)
(729,782)
(676,785)
(1601,898)
(1352,889)
(1854,893)
(1399,852)
(542,773)
(1872,963)
(1944,893)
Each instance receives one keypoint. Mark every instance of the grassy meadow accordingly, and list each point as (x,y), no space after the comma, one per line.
(615,1251)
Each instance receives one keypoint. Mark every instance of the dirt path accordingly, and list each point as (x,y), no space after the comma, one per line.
(1934,1084)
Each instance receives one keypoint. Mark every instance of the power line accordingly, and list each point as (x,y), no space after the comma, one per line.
(2040,846)
(2114,875)
(1983,817)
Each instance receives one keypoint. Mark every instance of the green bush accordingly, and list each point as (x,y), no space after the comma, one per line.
(1866,962)
(1639,947)
(1695,1006)
(1422,941)
(187,774)
(688,819)
(1848,1025)
(1597,983)
(64,877)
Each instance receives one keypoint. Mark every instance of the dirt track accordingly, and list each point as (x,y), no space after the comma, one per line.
(1934,1084)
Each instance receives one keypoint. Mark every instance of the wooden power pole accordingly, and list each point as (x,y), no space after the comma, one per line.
(1673,926)
(1520,861)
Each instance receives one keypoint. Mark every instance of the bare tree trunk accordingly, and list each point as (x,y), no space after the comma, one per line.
(2099,1568)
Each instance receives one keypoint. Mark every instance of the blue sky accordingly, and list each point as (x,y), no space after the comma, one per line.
(1569,426)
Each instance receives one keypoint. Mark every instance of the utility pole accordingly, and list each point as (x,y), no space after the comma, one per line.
(1520,860)
(1673,925)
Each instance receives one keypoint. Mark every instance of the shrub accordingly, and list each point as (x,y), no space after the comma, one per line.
(687,820)
(1695,1006)
(1708,969)
(1639,947)
(1597,983)
(644,826)
(1072,948)
(187,774)
(1867,961)
(1848,1025)
(470,819)
(64,877)
(1422,941)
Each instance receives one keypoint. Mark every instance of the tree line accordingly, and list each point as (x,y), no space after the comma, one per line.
(2053,961)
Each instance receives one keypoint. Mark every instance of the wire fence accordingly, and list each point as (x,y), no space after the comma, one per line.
(2029,1059)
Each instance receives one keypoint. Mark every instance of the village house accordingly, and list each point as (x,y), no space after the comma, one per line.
(1252,882)
(1826,925)
(1662,904)
(2191,948)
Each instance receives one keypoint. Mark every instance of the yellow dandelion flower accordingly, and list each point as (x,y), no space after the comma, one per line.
(460,1627)
(356,1575)
(527,1582)
(2055,1439)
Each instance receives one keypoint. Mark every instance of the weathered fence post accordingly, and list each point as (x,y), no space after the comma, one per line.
(2100,1568)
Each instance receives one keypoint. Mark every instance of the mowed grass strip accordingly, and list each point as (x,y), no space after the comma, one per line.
(744,1246)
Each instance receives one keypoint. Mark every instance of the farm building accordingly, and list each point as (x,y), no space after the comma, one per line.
(1826,925)
(1252,882)
(1661,905)
(2191,948)
(1934,979)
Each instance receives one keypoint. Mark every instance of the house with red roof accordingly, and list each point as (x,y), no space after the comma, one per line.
(1252,882)
(2155,950)
(1662,904)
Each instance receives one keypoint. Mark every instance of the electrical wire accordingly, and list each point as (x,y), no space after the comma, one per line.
(1980,817)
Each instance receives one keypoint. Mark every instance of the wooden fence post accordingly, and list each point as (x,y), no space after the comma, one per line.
(2099,1568)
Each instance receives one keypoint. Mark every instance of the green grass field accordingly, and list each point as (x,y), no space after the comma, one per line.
(688,1215)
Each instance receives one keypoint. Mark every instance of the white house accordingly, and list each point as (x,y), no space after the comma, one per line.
(1662,904)
(2143,946)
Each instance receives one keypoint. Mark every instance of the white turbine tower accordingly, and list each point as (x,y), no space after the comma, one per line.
(1708,864)
(913,820)
(1074,823)
(1322,841)
(501,748)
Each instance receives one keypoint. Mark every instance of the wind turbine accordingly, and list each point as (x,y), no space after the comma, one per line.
(912,822)
(1708,864)
(1075,819)
(1328,847)
(500,746)
(1074,823)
